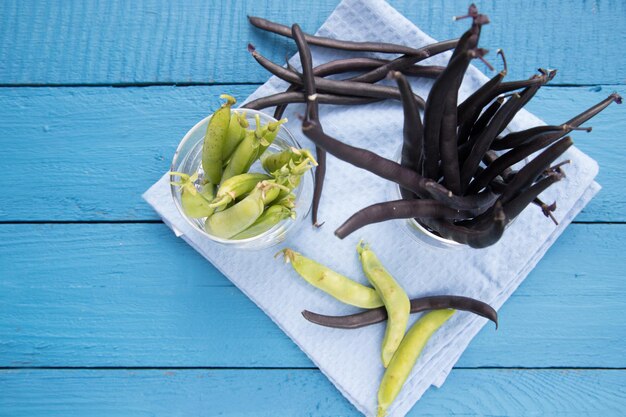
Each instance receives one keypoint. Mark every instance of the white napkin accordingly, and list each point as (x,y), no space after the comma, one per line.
(351,358)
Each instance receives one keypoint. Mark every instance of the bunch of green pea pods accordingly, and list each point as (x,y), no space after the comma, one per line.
(400,348)
(238,204)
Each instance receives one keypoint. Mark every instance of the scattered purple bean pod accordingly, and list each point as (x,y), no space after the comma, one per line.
(418,305)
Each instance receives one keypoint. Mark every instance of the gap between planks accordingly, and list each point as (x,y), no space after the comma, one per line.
(291,368)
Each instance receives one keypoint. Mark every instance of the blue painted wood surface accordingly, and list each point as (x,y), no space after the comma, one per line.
(122,318)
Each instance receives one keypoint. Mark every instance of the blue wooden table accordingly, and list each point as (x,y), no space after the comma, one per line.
(104,312)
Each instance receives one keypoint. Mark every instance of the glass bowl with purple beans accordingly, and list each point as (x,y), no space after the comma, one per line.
(241,179)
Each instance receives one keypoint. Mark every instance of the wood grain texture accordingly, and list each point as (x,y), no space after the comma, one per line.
(157,41)
(68,393)
(134,295)
(94,151)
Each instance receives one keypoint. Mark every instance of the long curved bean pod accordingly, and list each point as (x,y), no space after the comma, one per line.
(334,43)
(483,141)
(434,110)
(392,171)
(395,299)
(581,118)
(523,137)
(507,87)
(407,354)
(338,286)
(403,62)
(312,113)
(340,66)
(470,108)
(485,117)
(398,209)
(418,305)
(412,131)
(332,86)
(529,173)
(514,207)
(508,159)
(299,97)
(357,64)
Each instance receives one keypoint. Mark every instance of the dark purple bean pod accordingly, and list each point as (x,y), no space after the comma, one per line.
(383,47)
(448,148)
(434,109)
(532,170)
(477,128)
(514,207)
(340,87)
(523,137)
(392,171)
(299,97)
(359,64)
(312,113)
(379,315)
(405,62)
(341,66)
(471,107)
(399,209)
(510,158)
(475,236)
(583,117)
(483,141)
(507,87)
(412,132)
(486,116)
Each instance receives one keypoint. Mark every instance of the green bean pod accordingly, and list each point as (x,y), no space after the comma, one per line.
(395,299)
(272,162)
(195,203)
(272,215)
(214,140)
(339,286)
(236,133)
(405,357)
(235,187)
(271,132)
(244,155)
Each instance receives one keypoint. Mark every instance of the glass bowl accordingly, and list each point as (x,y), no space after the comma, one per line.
(188,159)
(416,230)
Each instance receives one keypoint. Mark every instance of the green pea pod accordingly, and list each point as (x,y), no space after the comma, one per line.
(395,299)
(214,141)
(272,162)
(290,175)
(270,134)
(242,215)
(244,155)
(339,286)
(271,217)
(195,203)
(236,133)
(405,357)
(235,187)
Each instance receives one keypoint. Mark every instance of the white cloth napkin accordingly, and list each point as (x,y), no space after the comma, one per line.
(351,358)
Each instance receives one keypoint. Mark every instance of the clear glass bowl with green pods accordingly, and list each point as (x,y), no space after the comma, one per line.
(188,160)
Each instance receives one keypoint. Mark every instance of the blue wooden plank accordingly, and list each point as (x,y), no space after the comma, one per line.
(94,151)
(134,295)
(205,41)
(68,393)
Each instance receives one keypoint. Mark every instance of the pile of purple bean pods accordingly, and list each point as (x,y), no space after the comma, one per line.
(456,172)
